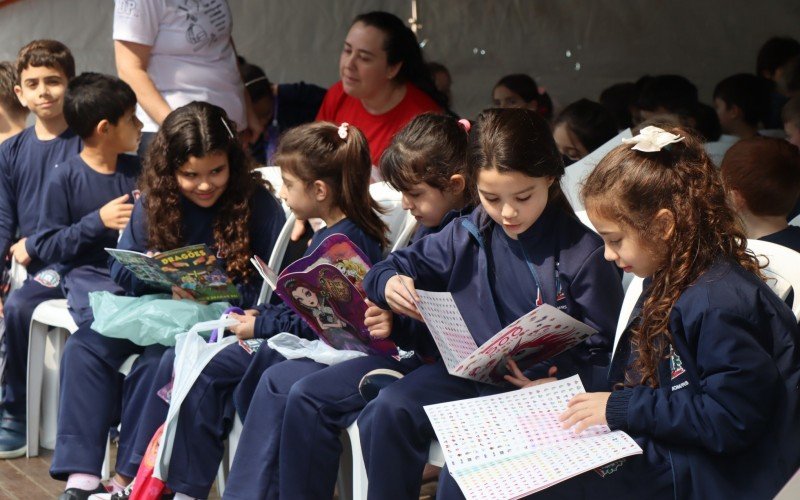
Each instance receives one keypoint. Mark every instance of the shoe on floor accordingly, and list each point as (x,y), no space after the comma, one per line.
(12,436)
(79,494)
(373,382)
(124,494)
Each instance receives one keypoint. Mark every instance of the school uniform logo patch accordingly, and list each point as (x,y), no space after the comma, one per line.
(47,278)
(675,364)
(610,468)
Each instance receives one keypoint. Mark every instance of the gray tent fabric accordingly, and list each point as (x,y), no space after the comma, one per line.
(574,48)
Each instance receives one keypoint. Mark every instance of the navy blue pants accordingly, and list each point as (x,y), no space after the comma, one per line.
(206,417)
(633,478)
(395,431)
(305,405)
(18,310)
(95,396)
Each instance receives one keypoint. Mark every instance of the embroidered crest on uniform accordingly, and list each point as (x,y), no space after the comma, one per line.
(539,300)
(48,278)
(611,468)
(560,295)
(675,363)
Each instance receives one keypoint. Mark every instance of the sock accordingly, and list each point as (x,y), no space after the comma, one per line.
(181,496)
(85,482)
(115,485)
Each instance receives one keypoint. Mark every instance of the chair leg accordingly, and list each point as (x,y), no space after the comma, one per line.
(105,473)
(51,356)
(36,347)
(360,481)
(344,480)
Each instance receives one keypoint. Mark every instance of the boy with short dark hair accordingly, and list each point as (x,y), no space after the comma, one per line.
(762,177)
(44,67)
(12,113)
(741,102)
(88,199)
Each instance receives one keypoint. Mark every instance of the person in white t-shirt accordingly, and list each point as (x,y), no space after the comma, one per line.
(173,52)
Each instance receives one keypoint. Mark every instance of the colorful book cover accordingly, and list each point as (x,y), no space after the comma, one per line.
(194,268)
(325,289)
(537,336)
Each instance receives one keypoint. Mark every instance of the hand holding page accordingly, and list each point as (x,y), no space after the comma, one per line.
(535,337)
(512,444)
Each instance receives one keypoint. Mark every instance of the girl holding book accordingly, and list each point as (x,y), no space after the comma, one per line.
(705,378)
(521,248)
(306,404)
(325,170)
(198,187)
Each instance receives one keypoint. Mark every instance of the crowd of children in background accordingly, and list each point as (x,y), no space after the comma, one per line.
(674,205)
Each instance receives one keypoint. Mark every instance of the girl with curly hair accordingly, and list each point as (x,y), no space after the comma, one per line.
(198,186)
(705,377)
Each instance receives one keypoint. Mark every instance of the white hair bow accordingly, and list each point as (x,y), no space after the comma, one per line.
(343,130)
(652,139)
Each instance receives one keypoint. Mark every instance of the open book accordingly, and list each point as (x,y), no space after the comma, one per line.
(512,445)
(536,336)
(194,268)
(325,289)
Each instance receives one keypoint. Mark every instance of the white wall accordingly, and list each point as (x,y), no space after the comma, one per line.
(612,40)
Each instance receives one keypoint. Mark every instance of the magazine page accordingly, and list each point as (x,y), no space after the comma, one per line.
(447,327)
(539,335)
(196,269)
(512,445)
(339,251)
(145,268)
(332,307)
(266,272)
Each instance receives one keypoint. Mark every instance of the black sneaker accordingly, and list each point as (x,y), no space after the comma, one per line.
(79,494)
(372,383)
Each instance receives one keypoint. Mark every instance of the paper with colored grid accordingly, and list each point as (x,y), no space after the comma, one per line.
(511,445)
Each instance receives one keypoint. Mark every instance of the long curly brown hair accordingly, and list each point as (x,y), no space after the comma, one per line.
(630,187)
(196,130)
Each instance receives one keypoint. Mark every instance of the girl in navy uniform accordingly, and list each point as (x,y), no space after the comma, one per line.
(325,169)
(198,187)
(706,375)
(523,246)
(306,404)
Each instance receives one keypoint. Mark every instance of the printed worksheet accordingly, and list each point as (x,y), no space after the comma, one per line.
(512,445)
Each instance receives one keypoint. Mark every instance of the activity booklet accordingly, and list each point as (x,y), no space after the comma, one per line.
(194,268)
(325,289)
(536,336)
(512,445)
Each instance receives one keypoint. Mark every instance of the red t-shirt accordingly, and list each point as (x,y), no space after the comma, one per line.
(338,107)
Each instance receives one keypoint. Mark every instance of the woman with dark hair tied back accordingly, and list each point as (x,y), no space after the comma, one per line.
(384,81)
(582,127)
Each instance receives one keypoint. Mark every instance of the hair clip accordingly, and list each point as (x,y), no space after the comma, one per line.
(255,80)
(652,139)
(227,127)
(343,130)
(465,124)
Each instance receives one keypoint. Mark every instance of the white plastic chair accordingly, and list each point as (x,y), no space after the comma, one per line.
(795,222)
(409,227)
(352,481)
(782,271)
(392,201)
(278,252)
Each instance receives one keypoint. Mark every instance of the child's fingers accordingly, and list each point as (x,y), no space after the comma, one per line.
(238,317)
(515,370)
(516,381)
(409,286)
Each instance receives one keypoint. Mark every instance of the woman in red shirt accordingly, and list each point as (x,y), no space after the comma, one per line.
(384,81)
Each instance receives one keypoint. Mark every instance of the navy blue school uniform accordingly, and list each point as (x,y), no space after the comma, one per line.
(93,391)
(494,280)
(788,237)
(25,164)
(723,422)
(307,404)
(207,413)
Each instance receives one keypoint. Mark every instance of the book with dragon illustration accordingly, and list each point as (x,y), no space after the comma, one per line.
(325,289)
(194,268)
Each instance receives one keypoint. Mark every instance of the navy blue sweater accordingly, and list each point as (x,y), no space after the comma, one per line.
(197,226)
(71,234)
(25,164)
(788,237)
(459,260)
(728,403)
(278,318)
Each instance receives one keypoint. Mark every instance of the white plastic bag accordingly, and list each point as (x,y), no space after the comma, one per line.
(293,347)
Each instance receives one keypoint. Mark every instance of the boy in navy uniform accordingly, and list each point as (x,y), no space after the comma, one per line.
(26,160)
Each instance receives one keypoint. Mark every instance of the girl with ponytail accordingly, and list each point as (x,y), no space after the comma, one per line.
(325,170)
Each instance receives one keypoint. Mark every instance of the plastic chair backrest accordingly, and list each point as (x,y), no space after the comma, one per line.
(409,227)
(782,271)
(795,221)
(273,176)
(632,293)
(276,258)
(392,201)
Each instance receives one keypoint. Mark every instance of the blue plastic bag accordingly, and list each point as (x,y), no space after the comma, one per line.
(149,319)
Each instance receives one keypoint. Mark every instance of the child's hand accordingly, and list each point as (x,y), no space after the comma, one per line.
(20,253)
(298,230)
(520,380)
(1,309)
(378,321)
(585,410)
(116,213)
(402,296)
(246,327)
(179,293)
